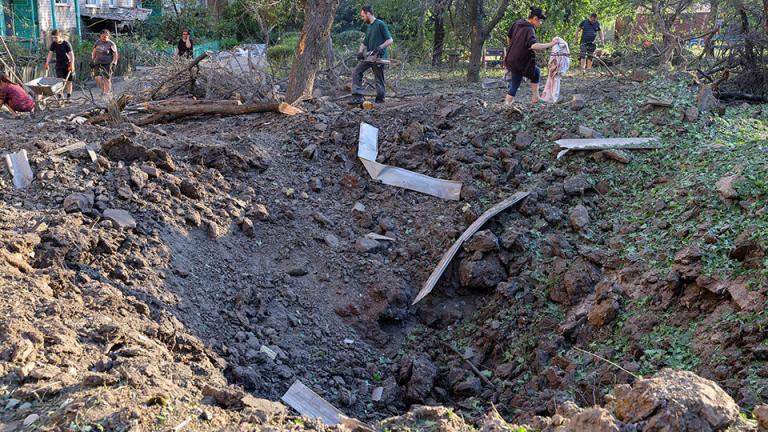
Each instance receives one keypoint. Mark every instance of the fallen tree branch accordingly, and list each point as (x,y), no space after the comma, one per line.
(174,112)
(191,66)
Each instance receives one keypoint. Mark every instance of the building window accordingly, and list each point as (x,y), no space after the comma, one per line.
(92,3)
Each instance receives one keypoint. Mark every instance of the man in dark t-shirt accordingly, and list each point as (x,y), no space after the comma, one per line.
(371,51)
(589,29)
(185,47)
(65,59)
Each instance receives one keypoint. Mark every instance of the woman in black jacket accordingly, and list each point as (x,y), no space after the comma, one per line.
(520,60)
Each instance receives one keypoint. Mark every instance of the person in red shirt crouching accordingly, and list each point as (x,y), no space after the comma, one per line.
(14,97)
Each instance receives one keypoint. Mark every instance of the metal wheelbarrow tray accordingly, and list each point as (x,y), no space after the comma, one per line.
(46,86)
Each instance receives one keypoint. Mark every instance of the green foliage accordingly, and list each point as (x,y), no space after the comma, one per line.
(228,43)
(348,40)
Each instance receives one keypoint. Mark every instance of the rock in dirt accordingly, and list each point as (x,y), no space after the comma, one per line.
(577,282)
(726,186)
(309,152)
(761,414)
(247,227)
(366,245)
(745,298)
(484,273)
(523,139)
(579,218)
(214,230)
(482,241)
(587,132)
(31,419)
(226,397)
(578,102)
(414,133)
(691,114)
(706,100)
(747,250)
(640,75)
(617,155)
(82,202)
(676,400)
(138,177)
(264,411)
(162,159)
(331,240)
(191,189)
(123,149)
(418,374)
(120,217)
(595,419)
(577,185)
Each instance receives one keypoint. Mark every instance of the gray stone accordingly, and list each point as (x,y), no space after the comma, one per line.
(365,245)
(247,227)
(577,184)
(191,190)
(578,102)
(12,403)
(120,217)
(579,218)
(617,155)
(31,419)
(138,177)
(82,202)
(309,151)
(482,241)
(331,240)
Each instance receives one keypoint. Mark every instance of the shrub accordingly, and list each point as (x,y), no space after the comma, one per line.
(349,39)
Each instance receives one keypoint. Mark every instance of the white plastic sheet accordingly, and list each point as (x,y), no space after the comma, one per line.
(368,151)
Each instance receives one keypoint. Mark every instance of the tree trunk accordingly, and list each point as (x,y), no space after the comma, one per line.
(475,57)
(475,8)
(438,43)
(765,15)
(479,33)
(318,19)
(330,60)
(714,9)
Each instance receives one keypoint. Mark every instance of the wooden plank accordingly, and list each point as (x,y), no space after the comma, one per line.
(448,256)
(310,404)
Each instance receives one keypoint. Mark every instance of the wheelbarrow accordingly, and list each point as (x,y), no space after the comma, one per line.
(48,90)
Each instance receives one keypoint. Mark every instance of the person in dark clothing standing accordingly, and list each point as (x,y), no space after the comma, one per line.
(185,46)
(373,48)
(65,59)
(520,60)
(589,29)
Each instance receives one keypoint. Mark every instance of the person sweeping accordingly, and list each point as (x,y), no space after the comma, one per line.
(520,60)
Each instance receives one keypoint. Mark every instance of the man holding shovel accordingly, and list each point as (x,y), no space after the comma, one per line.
(371,52)
(65,59)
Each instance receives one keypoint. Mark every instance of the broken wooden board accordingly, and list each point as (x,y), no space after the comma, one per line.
(448,256)
(606,143)
(368,151)
(18,166)
(310,404)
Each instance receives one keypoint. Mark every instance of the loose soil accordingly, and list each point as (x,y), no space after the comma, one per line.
(249,243)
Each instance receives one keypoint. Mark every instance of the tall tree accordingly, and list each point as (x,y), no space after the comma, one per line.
(438,41)
(318,19)
(480,31)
